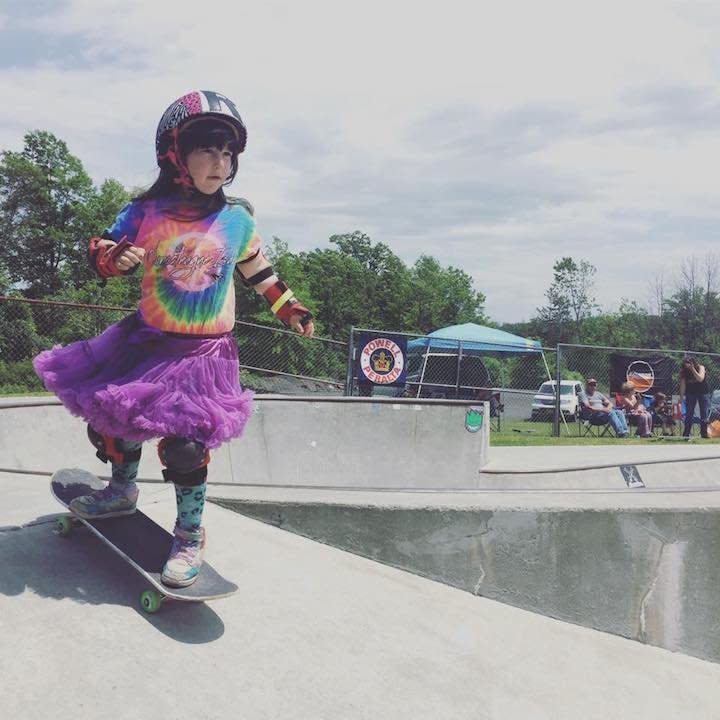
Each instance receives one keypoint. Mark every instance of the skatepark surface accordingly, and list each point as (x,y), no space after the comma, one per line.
(319,632)
(314,632)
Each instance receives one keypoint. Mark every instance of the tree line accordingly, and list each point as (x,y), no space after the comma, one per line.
(50,207)
(681,313)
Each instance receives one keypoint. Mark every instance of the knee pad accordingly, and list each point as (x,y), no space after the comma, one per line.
(113,449)
(185,461)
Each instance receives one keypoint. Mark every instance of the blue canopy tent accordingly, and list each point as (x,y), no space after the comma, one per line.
(477,339)
(469,339)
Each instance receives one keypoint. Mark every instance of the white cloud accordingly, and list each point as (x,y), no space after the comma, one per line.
(498,137)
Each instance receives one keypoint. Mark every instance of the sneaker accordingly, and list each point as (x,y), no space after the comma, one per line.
(186,556)
(105,503)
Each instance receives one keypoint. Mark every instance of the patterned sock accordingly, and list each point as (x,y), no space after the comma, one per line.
(190,504)
(124,474)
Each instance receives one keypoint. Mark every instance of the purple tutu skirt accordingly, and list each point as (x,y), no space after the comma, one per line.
(137,383)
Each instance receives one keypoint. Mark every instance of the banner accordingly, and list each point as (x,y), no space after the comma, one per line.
(381,359)
(647,374)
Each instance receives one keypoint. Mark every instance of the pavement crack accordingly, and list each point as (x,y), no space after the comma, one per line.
(642,634)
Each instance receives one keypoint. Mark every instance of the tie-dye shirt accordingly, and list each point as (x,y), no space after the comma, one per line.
(188,286)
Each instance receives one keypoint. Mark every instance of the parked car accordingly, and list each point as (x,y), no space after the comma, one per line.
(543,405)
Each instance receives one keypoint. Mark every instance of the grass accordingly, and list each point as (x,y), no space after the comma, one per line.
(39,393)
(522,433)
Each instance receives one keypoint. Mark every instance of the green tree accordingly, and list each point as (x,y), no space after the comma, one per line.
(691,315)
(439,297)
(355,283)
(630,326)
(364,284)
(42,190)
(570,301)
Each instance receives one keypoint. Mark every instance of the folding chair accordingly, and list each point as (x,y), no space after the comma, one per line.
(496,406)
(587,428)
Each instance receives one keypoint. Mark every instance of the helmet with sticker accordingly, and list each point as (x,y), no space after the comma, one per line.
(196,105)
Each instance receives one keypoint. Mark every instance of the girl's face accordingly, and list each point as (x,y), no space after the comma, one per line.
(209,168)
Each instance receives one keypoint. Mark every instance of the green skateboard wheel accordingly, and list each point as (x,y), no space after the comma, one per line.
(150,601)
(64,525)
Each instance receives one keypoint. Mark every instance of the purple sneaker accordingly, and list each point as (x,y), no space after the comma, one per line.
(106,503)
(186,557)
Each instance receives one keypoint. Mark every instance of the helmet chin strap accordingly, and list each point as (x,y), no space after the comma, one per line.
(173,155)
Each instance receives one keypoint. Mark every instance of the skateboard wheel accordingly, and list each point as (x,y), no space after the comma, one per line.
(64,525)
(150,601)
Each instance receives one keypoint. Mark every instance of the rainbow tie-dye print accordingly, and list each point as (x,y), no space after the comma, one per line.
(188,283)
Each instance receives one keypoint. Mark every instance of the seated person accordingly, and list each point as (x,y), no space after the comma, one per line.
(635,410)
(662,414)
(596,409)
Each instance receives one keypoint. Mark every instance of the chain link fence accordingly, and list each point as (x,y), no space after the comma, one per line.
(506,376)
(648,369)
(272,359)
(521,383)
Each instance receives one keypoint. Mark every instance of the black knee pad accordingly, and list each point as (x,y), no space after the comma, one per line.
(185,461)
(116,450)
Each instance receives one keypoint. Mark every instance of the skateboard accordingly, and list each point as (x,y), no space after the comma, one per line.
(138,540)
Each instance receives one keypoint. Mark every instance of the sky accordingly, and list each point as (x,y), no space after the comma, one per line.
(497,137)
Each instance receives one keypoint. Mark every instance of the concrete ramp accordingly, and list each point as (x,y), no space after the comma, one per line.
(314,633)
(631,549)
(289,441)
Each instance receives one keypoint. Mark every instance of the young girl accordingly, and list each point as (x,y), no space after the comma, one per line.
(171,370)
(661,410)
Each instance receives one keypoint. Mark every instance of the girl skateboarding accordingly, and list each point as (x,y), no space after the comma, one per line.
(171,370)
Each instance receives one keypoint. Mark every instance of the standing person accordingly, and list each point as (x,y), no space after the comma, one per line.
(597,410)
(695,390)
(635,410)
(171,370)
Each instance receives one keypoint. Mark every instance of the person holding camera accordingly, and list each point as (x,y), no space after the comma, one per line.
(694,389)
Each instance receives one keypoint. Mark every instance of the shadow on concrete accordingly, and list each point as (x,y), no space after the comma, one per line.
(84,570)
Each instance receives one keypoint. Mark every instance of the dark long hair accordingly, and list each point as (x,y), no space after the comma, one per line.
(689,361)
(194,205)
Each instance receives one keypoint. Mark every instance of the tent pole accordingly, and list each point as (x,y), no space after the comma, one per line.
(547,367)
(422,374)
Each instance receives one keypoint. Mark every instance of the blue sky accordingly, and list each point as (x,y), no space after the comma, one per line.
(497,137)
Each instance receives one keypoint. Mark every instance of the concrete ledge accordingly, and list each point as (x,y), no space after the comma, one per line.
(646,573)
(304,441)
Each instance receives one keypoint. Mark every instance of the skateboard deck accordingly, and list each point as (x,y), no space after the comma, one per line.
(138,540)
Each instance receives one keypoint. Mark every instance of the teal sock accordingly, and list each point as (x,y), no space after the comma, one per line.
(190,504)
(125,474)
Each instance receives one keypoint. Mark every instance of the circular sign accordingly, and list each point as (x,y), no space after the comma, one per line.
(640,375)
(382,361)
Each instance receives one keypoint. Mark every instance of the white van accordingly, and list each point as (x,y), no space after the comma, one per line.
(543,405)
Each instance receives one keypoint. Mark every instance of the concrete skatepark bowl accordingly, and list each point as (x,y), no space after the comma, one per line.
(622,539)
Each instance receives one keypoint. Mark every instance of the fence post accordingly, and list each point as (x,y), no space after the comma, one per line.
(350,360)
(556,418)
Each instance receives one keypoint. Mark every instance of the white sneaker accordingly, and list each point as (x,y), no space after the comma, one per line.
(186,557)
